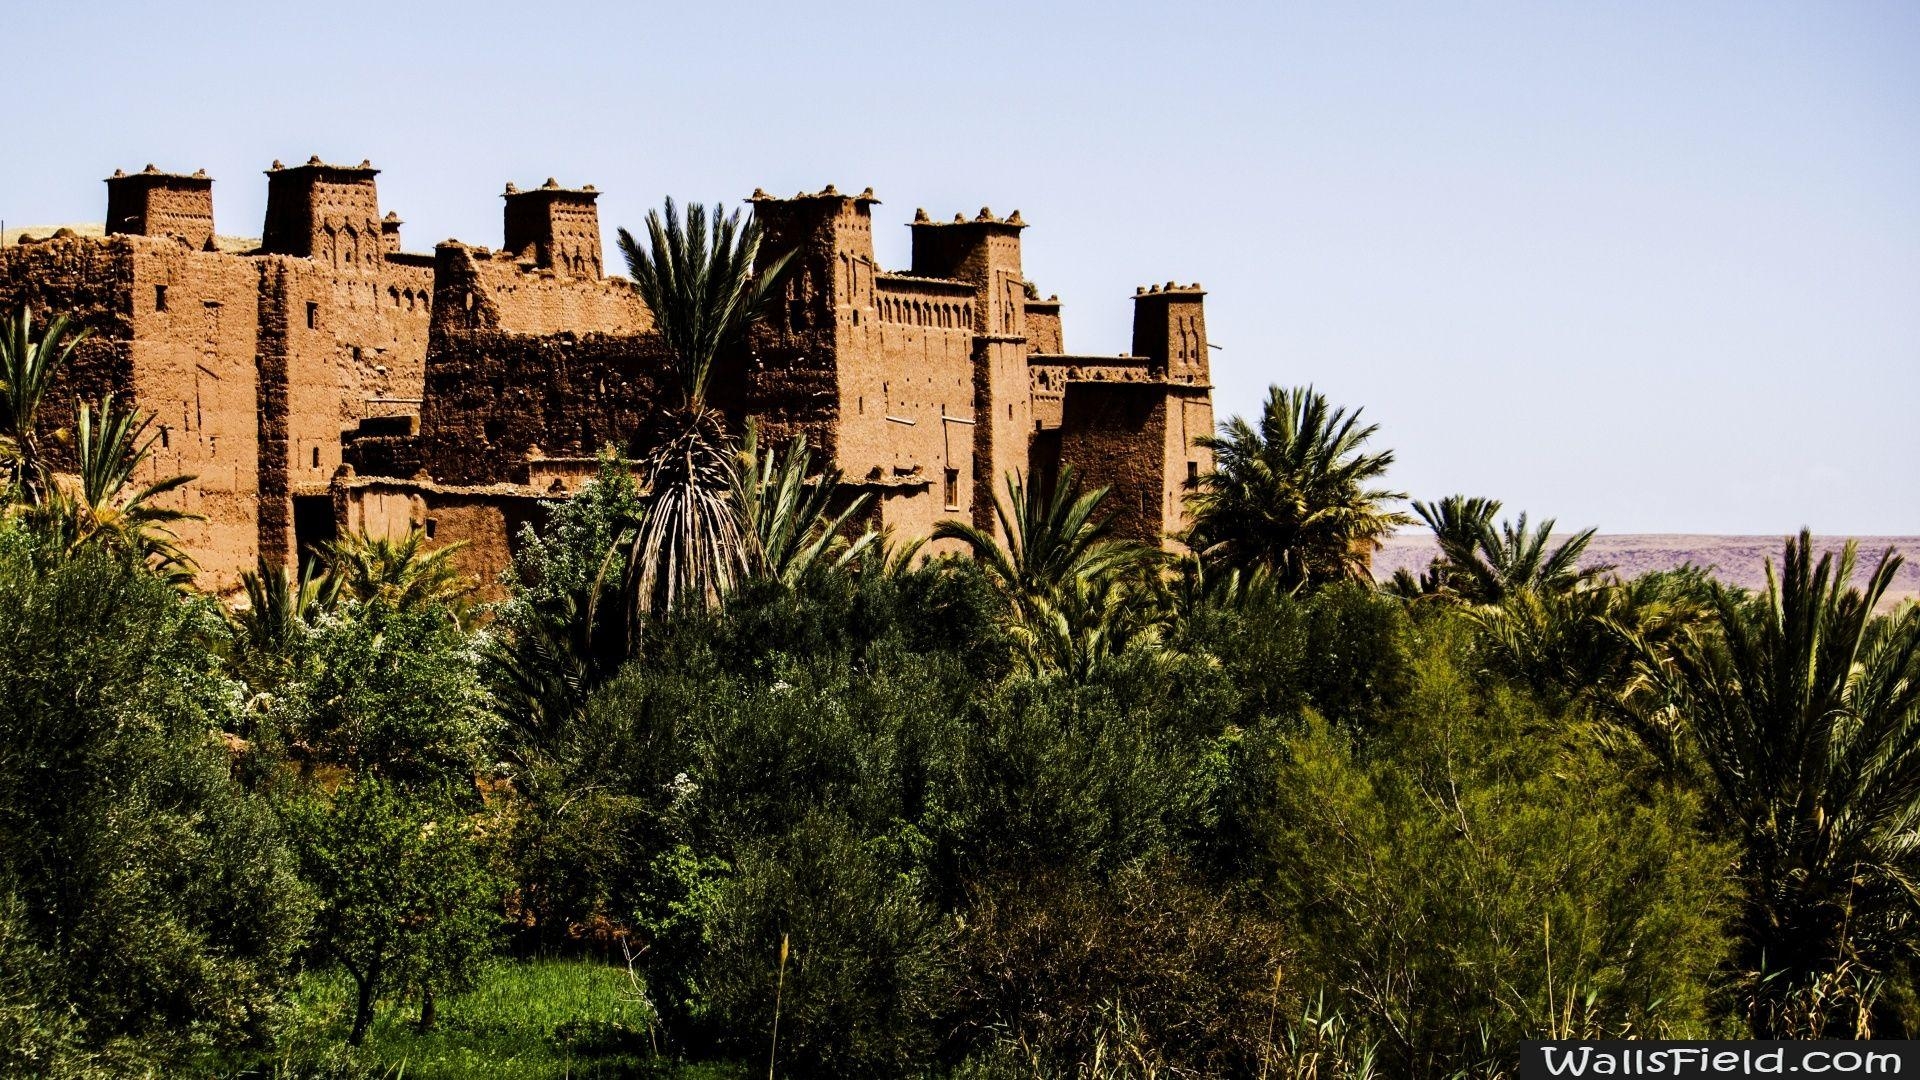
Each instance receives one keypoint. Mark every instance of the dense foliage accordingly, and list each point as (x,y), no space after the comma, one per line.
(1046,803)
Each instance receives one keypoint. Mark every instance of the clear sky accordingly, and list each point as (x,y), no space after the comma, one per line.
(1646,266)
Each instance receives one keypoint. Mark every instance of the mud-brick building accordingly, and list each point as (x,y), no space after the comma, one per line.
(323,380)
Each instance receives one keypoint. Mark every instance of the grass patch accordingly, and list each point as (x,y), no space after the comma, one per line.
(527,1020)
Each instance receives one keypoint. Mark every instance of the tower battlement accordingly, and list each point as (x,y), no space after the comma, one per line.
(155,203)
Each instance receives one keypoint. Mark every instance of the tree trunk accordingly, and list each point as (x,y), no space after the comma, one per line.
(363,1010)
(427,1010)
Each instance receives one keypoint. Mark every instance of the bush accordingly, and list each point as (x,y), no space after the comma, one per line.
(1054,961)
(406,901)
(394,692)
(156,897)
(869,966)
(1478,873)
(1340,651)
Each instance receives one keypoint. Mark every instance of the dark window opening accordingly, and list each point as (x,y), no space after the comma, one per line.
(163,436)
(313,315)
(953,489)
(313,525)
(496,430)
(159,298)
(433,526)
(1193,473)
(316,457)
(356,354)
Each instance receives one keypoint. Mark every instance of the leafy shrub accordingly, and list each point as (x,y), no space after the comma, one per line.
(1052,960)
(1477,874)
(869,965)
(153,898)
(1340,651)
(394,692)
(406,900)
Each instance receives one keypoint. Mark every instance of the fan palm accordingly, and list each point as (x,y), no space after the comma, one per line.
(102,503)
(1805,710)
(27,368)
(700,281)
(1293,495)
(401,575)
(786,514)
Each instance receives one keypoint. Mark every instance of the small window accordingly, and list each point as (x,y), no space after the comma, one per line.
(433,526)
(316,457)
(863,406)
(953,489)
(313,315)
(356,354)
(159,298)
(163,436)
(1193,473)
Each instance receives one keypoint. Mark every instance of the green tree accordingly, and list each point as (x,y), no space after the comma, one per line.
(156,897)
(1804,707)
(785,509)
(401,575)
(701,282)
(27,369)
(1479,872)
(1484,564)
(406,899)
(102,504)
(1292,496)
(1064,576)
(393,692)
(560,631)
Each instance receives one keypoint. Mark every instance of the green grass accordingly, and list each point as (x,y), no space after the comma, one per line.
(529,1020)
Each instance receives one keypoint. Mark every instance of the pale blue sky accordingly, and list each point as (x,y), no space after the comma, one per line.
(1647,266)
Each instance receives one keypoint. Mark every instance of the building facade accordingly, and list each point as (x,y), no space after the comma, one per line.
(326,381)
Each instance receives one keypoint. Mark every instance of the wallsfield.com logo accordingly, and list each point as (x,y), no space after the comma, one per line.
(1721,1060)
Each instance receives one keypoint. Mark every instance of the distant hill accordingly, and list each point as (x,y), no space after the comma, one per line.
(12,235)
(1736,560)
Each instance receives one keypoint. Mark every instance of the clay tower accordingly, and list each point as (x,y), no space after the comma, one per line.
(558,228)
(1170,330)
(155,203)
(325,212)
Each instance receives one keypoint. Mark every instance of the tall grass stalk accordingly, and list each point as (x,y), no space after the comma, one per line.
(780,983)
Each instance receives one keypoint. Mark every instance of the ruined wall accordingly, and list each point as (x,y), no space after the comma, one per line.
(1044,333)
(479,289)
(485,522)
(90,281)
(1114,435)
(493,398)
(1048,376)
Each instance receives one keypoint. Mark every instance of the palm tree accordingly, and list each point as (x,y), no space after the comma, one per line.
(786,515)
(1061,572)
(1292,496)
(400,575)
(1484,564)
(27,368)
(280,603)
(101,503)
(700,282)
(1804,707)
